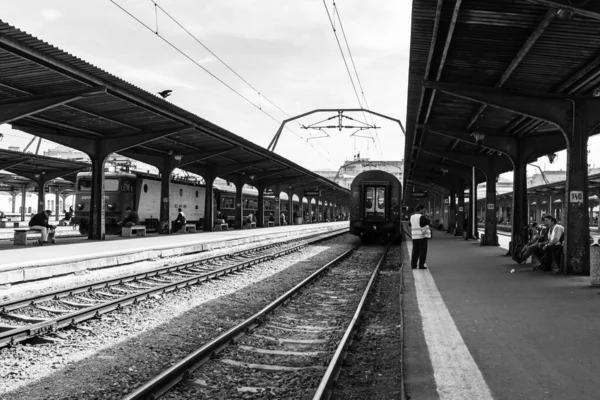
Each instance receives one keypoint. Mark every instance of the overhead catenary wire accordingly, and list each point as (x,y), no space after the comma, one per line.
(231,69)
(332,22)
(191,59)
(362,92)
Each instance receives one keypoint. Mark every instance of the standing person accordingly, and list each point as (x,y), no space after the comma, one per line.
(179,221)
(39,222)
(418,221)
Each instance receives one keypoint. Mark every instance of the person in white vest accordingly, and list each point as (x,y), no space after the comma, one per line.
(418,221)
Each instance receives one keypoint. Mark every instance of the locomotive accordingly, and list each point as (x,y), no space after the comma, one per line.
(375,206)
(141,192)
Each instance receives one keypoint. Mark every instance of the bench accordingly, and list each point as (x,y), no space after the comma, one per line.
(221,227)
(9,224)
(190,228)
(21,236)
(251,225)
(139,230)
(271,223)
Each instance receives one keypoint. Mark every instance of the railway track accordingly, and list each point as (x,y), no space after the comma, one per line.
(32,317)
(292,348)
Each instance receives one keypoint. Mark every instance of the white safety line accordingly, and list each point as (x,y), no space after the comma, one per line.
(456,374)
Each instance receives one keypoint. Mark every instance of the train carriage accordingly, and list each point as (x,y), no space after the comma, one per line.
(141,192)
(375,205)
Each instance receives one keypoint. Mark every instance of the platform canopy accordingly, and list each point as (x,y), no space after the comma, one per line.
(31,166)
(466,52)
(49,93)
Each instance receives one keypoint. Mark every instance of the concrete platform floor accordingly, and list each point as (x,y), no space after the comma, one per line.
(527,335)
(26,263)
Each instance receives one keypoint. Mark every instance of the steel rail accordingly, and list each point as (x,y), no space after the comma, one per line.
(333,369)
(170,377)
(19,334)
(57,294)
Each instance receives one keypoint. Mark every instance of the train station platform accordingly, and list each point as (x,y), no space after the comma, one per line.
(29,263)
(475,330)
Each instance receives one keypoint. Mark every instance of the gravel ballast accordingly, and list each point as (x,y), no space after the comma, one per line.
(108,358)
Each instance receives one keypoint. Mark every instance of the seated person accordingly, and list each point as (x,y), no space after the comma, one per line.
(532,244)
(271,217)
(551,248)
(132,218)
(220,220)
(67,219)
(179,222)
(39,222)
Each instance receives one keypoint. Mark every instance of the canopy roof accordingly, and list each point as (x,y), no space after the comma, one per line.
(524,46)
(52,94)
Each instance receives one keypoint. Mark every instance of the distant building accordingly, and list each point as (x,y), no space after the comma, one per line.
(347,172)
(66,153)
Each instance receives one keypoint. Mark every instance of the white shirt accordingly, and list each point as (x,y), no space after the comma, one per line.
(415,227)
(557,231)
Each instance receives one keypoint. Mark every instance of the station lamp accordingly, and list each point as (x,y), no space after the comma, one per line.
(178,157)
(479,136)
(444,171)
(551,157)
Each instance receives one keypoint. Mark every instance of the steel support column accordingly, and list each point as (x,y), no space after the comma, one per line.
(97,202)
(14,201)
(166,169)
(491,220)
(260,217)
(452,211)
(23,201)
(519,217)
(57,204)
(41,183)
(460,215)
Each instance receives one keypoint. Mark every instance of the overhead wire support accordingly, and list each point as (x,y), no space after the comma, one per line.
(331,20)
(183,53)
(362,92)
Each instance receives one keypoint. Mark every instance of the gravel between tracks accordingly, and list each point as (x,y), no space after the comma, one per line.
(372,369)
(126,348)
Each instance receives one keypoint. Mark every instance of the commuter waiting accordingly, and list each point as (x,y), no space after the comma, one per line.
(179,222)
(39,222)
(551,249)
(67,218)
(130,220)
(533,244)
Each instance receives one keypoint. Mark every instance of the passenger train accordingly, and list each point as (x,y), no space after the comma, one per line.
(141,192)
(375,206)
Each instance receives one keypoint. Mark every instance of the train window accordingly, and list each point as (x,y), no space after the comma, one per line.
(145,188)
(369,198)
(180,192)
(197,194)
(84,186)
(380,199)
(111,185)
(126,186)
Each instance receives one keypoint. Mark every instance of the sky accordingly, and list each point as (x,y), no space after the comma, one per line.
(286,50)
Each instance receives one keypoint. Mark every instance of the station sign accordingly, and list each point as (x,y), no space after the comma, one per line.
(576,196)
(491,206)
(420,193)
(312,193)
(46,189)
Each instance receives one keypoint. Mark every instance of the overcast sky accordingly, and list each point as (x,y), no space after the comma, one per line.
(285,49)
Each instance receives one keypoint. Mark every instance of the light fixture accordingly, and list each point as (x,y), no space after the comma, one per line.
(551,157)
(565,14)
(596,92)
(252,177)
(479,136)
(178,157)
(444,171)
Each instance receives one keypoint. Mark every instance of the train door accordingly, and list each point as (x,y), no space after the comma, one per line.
(375,203)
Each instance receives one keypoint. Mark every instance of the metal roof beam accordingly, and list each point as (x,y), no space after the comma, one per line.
(549,107)
(20,107)
(10,164)
(531,40)
(591,9)
(229,169)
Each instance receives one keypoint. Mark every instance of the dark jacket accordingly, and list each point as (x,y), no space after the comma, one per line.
(133,217)
(180,218)
(39,219)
